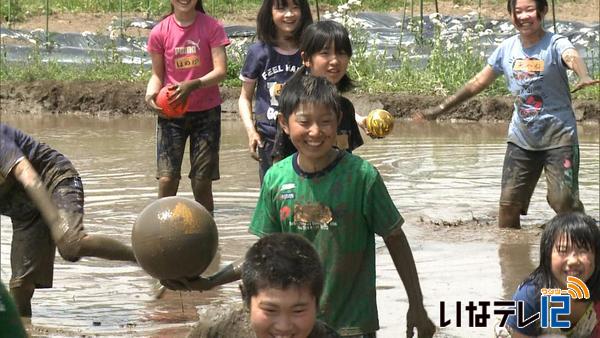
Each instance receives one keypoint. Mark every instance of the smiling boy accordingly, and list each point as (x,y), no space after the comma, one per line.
(337,201)
(282,279)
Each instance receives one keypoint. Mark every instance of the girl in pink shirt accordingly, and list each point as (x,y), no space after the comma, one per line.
(188,55)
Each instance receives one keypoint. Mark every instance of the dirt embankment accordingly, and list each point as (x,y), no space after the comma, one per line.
(107,98)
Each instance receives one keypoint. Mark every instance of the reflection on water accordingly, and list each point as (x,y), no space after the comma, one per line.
(439,172)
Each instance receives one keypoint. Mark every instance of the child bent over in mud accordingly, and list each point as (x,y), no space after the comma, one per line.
(282,279)
(42,193)
(337,201)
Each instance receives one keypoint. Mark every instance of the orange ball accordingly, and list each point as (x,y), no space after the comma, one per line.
(171,110)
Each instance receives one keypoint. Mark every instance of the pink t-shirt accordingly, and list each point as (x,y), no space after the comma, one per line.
(187,54)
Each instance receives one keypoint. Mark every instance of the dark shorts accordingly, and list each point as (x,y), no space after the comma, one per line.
(522,169)
(32,249)
(204,131)
(265,157)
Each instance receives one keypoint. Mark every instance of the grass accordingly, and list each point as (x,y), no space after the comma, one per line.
(444,74)
(17,10)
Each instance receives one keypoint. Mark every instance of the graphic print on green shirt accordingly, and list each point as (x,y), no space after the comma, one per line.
(339,210)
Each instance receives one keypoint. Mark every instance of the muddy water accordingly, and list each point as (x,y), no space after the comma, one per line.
(435,173)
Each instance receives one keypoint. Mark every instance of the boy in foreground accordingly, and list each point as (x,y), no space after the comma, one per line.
(337,201)
(282,279)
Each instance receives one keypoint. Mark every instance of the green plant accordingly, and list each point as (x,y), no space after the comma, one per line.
(445,63)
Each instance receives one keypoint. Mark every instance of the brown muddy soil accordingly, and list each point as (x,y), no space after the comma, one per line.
(108,98)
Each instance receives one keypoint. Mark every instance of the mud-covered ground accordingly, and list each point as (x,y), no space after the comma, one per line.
(462,237)
(107,98)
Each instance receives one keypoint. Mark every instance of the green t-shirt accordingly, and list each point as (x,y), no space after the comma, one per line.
(339,210)
(10,321)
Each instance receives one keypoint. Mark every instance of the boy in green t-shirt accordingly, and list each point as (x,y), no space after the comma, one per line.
(337,201)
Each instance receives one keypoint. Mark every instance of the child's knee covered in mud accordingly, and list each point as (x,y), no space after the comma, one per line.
(69,246)
(563,201)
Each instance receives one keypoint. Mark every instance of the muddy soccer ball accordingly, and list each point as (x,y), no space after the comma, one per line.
(380,122)
(171,110)
(174,237)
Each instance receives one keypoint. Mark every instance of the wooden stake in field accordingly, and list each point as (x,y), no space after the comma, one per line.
(47,20)
(554,18)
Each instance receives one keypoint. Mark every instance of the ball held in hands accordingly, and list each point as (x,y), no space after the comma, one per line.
(174,238)
(380,122)
(170,109)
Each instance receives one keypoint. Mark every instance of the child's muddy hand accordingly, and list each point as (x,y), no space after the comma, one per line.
(418,319)
(181,90)
(151,101)
(585,83)
(188,284)
(254,142)
(362,123)
(428,114)
(418,116)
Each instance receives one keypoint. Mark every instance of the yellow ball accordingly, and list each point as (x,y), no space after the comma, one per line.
(380,122)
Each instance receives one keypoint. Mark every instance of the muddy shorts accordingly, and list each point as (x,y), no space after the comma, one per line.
(204,131)
(265,156)
(32,249)
(522,169)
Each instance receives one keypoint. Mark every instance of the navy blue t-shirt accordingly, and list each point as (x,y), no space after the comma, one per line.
(51,166)
(270,68)
(586,325)
(530,295)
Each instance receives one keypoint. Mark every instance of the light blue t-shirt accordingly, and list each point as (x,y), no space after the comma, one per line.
(543,116)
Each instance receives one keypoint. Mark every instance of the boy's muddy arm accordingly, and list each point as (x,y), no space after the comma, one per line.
(228,274)
(26,174)
(401,253)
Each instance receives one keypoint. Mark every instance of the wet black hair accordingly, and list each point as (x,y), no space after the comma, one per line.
(540,7)
(281,260)
(303,88)
(581,231)
(265,28)
(320,35)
